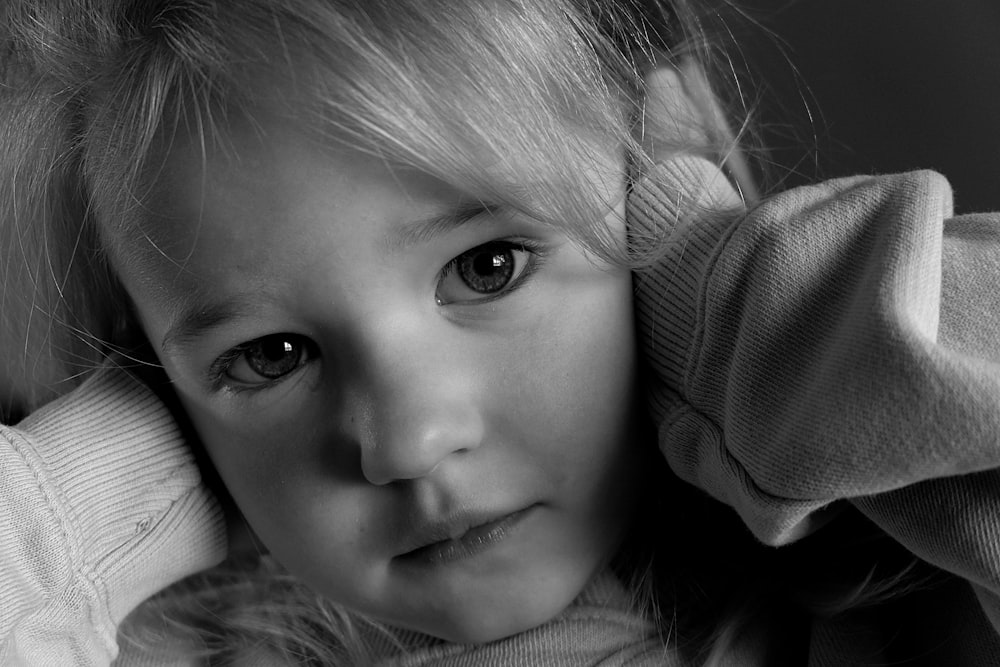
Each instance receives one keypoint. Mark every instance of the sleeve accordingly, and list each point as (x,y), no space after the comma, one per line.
(102,506)
(840,342)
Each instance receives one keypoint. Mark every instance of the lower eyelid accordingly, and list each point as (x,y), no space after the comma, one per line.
(234,387)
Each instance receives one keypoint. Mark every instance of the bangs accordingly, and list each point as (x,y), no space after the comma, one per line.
(511,102)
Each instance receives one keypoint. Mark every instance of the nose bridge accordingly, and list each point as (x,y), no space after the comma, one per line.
(422,405)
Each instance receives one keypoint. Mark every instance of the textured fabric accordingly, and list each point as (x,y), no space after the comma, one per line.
(102,507)
(839,343)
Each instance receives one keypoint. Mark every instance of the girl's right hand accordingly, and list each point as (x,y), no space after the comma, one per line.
(142,364)
(103,505)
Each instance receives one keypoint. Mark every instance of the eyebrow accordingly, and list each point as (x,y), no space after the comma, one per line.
(427,229)
(196,322)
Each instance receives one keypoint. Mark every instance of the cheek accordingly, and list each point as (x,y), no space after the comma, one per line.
(591,345)
(579,372)
(289,493)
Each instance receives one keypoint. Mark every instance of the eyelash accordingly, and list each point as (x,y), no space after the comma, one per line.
(217,374)
(217,371)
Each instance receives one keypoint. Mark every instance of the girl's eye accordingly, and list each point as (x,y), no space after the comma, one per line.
(267,359)
(486,271)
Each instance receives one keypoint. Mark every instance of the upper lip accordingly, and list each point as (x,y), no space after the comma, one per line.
(425,531)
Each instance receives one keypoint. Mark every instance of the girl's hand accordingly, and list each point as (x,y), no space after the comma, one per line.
(105,506)
(142,363)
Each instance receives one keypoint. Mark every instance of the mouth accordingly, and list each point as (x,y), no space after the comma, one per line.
(465,536)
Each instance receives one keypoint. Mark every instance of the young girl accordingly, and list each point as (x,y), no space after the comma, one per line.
(404,276)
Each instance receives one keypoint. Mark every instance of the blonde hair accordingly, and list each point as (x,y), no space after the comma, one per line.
(92,92)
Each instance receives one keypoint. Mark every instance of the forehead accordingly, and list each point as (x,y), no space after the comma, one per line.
(258,210)
(257,187)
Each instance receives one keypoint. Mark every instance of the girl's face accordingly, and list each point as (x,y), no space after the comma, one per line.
(421,403)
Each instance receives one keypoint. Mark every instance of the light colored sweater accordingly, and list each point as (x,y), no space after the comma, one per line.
(102,506)
(839,344)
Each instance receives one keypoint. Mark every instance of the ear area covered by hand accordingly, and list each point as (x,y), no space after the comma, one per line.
(670,118)
(682,115)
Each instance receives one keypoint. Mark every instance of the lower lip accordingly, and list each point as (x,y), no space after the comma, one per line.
(475,540)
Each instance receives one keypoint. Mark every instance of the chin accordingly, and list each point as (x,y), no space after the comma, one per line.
(487,623)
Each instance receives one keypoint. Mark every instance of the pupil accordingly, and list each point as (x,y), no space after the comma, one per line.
(275,350)
(486,262)
(487,270)
(273,357)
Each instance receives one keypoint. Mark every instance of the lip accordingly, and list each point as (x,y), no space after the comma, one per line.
(461,536)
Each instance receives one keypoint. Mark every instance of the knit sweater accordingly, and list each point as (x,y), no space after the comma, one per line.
(838,345)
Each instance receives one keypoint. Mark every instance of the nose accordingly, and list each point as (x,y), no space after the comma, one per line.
(422,411)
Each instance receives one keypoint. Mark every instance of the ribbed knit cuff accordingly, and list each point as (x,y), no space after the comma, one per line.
(684,209)
(115,466)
